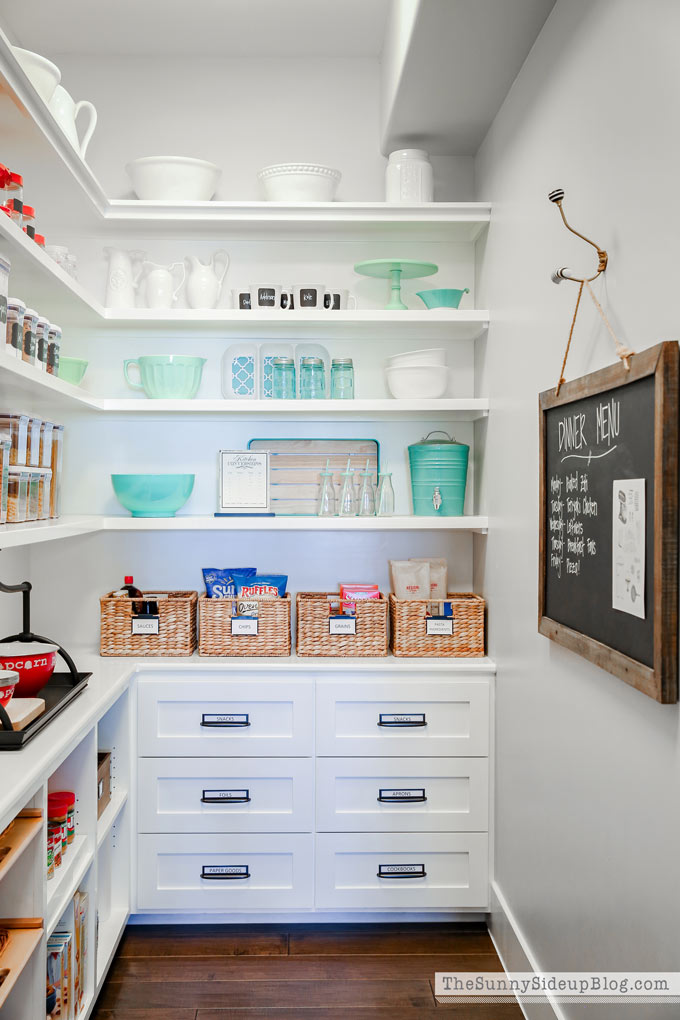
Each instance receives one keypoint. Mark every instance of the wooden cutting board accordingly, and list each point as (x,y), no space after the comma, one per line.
(296,466)
(23,711)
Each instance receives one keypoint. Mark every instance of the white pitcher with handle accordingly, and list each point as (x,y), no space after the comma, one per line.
(159,290)
(204,283)
(65,110)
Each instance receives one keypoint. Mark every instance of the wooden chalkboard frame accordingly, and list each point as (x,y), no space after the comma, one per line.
(659,681)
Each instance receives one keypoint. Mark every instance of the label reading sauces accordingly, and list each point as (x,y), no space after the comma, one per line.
(439,626)
(145,624)
(342,625)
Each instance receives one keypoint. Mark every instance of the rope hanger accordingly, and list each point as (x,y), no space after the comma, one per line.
(623,352)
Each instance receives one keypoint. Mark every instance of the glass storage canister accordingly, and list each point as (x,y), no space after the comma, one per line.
(312,379)
(57,457)
(342,379)
(41,344)
(4,478)
(35,483)
(5,266)
(14,197)
(283,379)
(14,427)
(17,494)
(33,442)
(46,444)
(408,177)
(45,488)
(30,326)
(14,336)
(53,348)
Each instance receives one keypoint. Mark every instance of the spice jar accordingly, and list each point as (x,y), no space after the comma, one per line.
(69,799)
(41,344)
(53,348)
(28,221)
(54,833)
(14,427)
(57,814)
(14,335)
(50,855)
(30,325)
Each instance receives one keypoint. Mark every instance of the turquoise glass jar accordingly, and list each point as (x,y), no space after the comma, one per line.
(342,379)
(312,379)
(283,379)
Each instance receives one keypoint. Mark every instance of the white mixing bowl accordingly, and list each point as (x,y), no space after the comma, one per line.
(299,182)
(433,356)
(173,179)
(407,383)
(44,75)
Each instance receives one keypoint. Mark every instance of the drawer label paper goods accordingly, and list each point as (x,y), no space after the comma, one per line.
(244,625)
(402,719)
(342,624)
(401,871)
(225,719)
(145,624)
(437,625)
(398,796)
(218,871)
(220,796)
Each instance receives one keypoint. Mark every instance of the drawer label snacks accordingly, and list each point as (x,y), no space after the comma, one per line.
(402,719)
(225,796)
(222,872)
(439,625)
(225,719)
(402,796)
(401,871)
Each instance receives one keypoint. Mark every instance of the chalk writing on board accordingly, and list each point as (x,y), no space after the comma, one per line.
(628,546)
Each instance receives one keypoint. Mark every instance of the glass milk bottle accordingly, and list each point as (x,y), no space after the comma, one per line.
(408,177)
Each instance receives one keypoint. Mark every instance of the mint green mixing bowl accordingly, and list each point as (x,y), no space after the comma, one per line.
(442,298)
(169,377)
(152,495)
(72,370)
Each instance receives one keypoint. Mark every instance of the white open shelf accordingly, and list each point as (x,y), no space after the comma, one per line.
(109,815)
(67,879)
(110,933)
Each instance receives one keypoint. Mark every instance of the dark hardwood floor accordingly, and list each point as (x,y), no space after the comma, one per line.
(301,971)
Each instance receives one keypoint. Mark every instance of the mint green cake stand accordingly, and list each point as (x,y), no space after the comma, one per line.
(396,270)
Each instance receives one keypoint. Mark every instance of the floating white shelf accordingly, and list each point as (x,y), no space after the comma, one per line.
(109,815)
(14,535)
(110,932)
(67,879)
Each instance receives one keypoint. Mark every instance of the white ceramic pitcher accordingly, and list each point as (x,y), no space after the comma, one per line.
(122,278)
(159,290)
(65,110)
(203,282)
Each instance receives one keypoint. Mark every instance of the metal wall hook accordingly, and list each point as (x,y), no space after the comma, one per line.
(564,273)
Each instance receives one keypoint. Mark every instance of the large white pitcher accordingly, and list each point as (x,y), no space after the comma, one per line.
(64,109)
(122,278)
(159,290)
(203,282)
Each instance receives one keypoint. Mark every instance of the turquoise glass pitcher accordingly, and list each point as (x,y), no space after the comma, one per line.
(438,476)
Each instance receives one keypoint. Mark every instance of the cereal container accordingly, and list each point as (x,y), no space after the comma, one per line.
(17,494)
(44,494)
(14,336)
(33,442)
(46,444)
(57,458)
(4,479)
(34,480)
(14,427)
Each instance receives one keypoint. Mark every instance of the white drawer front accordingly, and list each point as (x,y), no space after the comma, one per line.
(224,717)
(442,871)
(403,718)
(225,795)
(211,872)
(402,794)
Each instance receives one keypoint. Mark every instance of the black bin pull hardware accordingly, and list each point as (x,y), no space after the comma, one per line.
(225,872)
(402,796)
(225,797)
(401,871)
(225,720)
(402,719)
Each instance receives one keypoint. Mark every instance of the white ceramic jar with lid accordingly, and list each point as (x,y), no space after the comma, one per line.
(408,177)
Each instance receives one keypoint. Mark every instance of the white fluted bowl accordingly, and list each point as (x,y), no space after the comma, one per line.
(428,381)
(299,182)
(432,356)
(173,178)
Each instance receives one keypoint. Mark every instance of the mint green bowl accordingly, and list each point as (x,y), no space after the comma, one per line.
(442,298)
(72,370)
(166,377)
(152,495)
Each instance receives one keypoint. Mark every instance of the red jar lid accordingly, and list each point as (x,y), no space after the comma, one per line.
(29,211)
(39,239)
(67,795)
(16,180)
(6,209)
(5,174)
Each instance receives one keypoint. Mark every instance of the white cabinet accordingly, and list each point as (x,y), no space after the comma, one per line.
(226,717)
(395,717)
(225,872)
(413,871)
(226,795)
(402,794)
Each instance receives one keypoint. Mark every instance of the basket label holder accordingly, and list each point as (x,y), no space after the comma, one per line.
(244,625)
(342,624)
(439,626)
(144,623)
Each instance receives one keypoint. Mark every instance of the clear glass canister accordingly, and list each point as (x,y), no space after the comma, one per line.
(385,498)
(34,480)
(4,479)
(342,379)
(14,429)
(17,494)
(14,197)
(408,177)
(312,379)
(14,336)
(283,379)
(44,494)
(57,458)
(30,327)
(53,349)
(46,444)
(41,344)
(33,442)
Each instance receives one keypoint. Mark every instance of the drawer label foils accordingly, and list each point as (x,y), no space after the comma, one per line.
(342,624)
(145,624)
(402,719)
(220,796)
(226,719)
(401,871)
(439,625)
(400,796)
(225,871)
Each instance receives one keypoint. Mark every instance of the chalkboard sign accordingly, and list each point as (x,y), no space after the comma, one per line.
(608,559)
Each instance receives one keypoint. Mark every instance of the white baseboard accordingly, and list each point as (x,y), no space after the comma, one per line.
(516,955)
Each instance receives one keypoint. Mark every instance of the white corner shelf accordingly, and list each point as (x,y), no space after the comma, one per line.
(67,878)
(110,933)
(109,815)
(33,532)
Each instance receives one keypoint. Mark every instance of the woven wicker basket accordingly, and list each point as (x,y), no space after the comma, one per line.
(409,628)
(176,626)
(273,628)
(313,637)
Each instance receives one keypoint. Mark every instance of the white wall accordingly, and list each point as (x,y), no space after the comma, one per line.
(587,780)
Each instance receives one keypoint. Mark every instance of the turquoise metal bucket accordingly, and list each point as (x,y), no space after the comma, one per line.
(438,476)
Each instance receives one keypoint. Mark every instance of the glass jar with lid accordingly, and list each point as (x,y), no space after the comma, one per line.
(312,379)
(342,379)
(28,221)
(30,327)
(14,196)
(53,348)
(41,343)
(14,336)
(283,379)
(408,177)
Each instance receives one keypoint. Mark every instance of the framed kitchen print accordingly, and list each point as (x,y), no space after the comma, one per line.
(608,551)
(243,483)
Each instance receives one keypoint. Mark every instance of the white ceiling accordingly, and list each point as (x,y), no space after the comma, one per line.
(269,28)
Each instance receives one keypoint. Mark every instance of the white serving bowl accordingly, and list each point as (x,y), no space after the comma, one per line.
(173,179)
(299,182)
(406,383)
(433,356)
(44,75)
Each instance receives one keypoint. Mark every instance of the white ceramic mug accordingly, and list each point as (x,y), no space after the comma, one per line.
(309,297)
(65,110)
(339,300)
(268,297)
(240,299)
